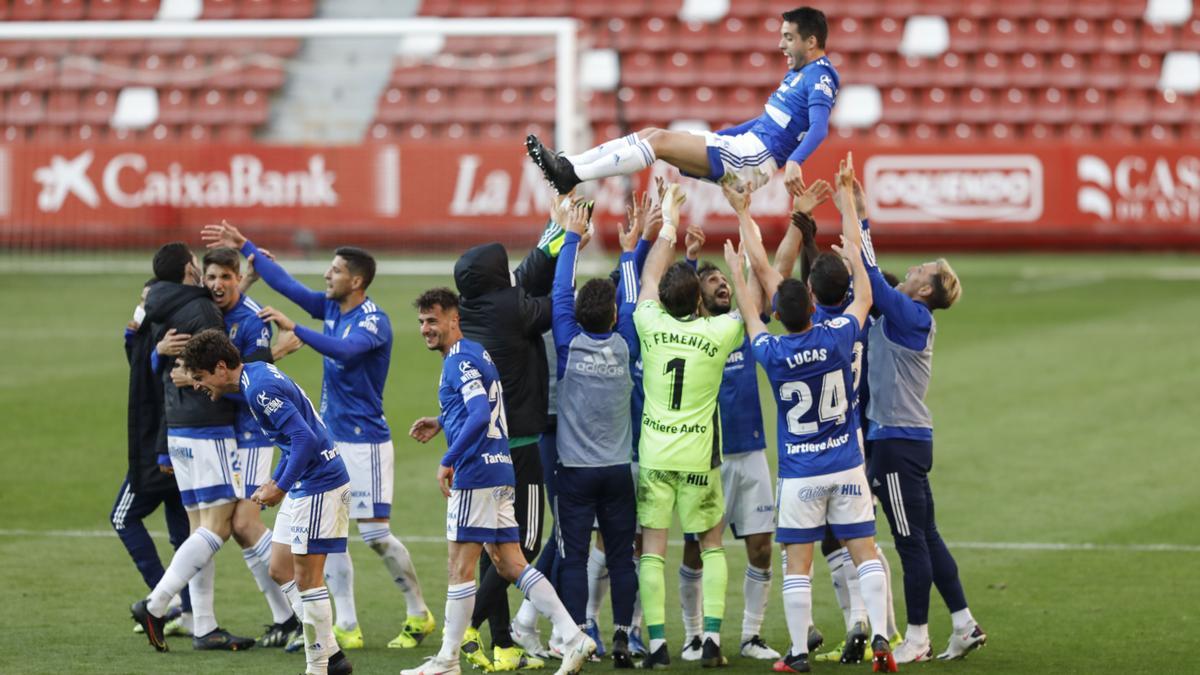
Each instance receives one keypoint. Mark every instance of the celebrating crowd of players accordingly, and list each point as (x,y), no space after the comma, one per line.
(622,403)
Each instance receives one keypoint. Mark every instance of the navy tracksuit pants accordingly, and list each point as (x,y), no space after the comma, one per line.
(128,512)
(898,470)
(600,495)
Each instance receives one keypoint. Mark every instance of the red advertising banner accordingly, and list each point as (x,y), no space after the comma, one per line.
(439,195)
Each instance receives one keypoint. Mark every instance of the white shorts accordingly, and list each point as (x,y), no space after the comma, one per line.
(749,504)
(842,499)
(743,156)
(203,470)
(251,468)
(371,478)
(314,524)
(482,514)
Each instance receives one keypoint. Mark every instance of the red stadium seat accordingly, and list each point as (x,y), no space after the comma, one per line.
(858,8)
(923,131)
(913,71)
(250,107)
(39,72)
(226,72)
(1159,133)
(234,133)
(196,133)
(1156,38)
(884,34)
(62,107)
(508,105)
(951,71)
(720,69)
(1078,133)
(105,10)
(396,105)
(966,35)
(15,48)
(939,7)
(48,133)
(294,9)
(174,106)
(735,35)
(898,106)
(114,71)
(1014,107)
(1106,71)
(165,46)
(601,106)
(696,36)
(964,132)
(1172,108)
(751,8)
(27,10)
(937,106)
(1118,133)
(77,72)
(470,105)
(681,68)
(1081,37)
(740,104)
(640,68)
(757,69)
(189,70)
(976,9)
(1014,9)
(1092,106)
(1001,131)
(219,9)
(699,104)
(1055,9)
(1118,37)
(97,107)
(1044,36)
(152,70)
(1130,10)
(1131,107)
(656,34)
(1189,36)
(65,10)
(990,70)
(1052,107)
(977,106)
(872,68)
(143,10)
(1191,132)
(1001,36)
(1094,9)
(848,34)
(1143,71)
(1065,71)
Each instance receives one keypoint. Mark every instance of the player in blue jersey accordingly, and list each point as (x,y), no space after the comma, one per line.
(251,461)
(900,435)
(476,476)
(792,126)
(356,341)
(821,473)
(310,481)
(745,476)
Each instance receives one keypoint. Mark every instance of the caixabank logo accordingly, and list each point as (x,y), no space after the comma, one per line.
(1139,188)
(948,188)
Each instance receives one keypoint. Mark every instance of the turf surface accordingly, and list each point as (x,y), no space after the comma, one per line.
(1065,406)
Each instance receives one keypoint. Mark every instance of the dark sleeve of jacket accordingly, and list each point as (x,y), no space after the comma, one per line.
(535,278)
(184,406)
(146,426)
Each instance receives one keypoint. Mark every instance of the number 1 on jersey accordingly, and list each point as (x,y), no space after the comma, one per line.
(676,365)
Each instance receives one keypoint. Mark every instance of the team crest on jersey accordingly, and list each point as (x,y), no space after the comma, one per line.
(837,322)
(233,331)
(346,332)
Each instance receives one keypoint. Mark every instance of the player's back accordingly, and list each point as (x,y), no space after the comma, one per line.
(811,378)
(468,372)
(274,398)
(249,334)
(683,364)
(352,390)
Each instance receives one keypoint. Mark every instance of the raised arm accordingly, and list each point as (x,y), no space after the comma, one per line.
(739,198)
(276,277)
(566,327)
(663,251)
(803,231)
(747,298)
(627,295)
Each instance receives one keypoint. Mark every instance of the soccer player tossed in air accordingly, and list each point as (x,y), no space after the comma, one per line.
(356,342)
(476,476)
(684,356)
(821,473)
(793,124)
(314,518)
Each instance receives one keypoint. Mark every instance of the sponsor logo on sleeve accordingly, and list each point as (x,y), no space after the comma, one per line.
(267,403)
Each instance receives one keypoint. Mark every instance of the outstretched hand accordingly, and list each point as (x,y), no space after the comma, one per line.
(812,197)
(738,195)
(848,250)
(693,242)
(424,429)
(222,235)
(845,174)
(733,257)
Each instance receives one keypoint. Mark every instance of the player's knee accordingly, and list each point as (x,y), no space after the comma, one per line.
(691,554)
(280,569)
(758,554)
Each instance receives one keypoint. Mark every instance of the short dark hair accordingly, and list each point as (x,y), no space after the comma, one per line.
(793,304)
(829,279)
(596,305)
(706,268)
(441,296)
(359,262)
(679,290)
(207,348)
(809,22)
(171,261)
(223,257)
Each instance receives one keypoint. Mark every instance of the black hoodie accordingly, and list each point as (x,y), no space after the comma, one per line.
(147,434)
(509,321)
(187,309)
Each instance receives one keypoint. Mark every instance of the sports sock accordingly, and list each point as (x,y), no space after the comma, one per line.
(398,562)
(292,593)
(191,557)
(917,633)
(258,559)
(539,591)
(339,578)
(962,620)
(623,162)
(597,574)
(652,589)
(319,642)
(892,626)
(691,603)
(839,586)
(460,602)
(797,609)
(716,580)
(526,616)
(756,588)
(874,595)
(858,610)
(202,586)
(605,148)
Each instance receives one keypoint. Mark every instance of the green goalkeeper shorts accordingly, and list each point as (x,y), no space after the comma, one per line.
(696,496)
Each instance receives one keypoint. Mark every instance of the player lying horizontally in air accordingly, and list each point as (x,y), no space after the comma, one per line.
(793,124)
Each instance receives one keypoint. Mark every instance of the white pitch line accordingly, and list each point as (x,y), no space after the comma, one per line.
(964,545)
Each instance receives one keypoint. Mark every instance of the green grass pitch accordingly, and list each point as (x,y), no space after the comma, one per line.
(1065,402)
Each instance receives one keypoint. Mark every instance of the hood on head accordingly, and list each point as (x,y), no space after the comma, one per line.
(166,296)
(481,270)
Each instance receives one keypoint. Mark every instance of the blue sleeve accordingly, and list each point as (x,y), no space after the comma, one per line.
(627,294)
(305,447)
(641,253)
(818,129)
(739,129)
(155,364)
(760,346)
(352,346)
(694,264)
(564,325)
(279,469)
(277,278)
(908,321)
(478,416)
